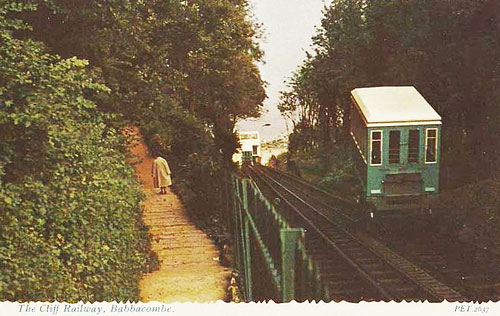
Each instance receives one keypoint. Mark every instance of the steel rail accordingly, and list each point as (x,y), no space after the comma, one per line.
(356,266)
(351,203)
(415,274)
(308,185)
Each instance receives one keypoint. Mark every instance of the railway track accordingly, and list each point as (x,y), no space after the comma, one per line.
(472,271)
(341,207)
(354,266)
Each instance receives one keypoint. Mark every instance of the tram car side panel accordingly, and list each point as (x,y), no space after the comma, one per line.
(359,134)
(401,152)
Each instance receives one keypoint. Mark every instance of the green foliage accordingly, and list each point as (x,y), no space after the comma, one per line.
(334,172)
(448,50)
(183,70)
(200,54)
(70,214)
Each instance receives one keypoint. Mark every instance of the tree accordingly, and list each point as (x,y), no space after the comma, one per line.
(173,67)
(71,219)
(448,50)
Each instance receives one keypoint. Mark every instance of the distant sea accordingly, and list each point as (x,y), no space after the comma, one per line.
(271,126)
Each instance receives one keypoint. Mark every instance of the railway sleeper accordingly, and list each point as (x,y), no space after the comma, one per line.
(351,294)
(317,245)
(341,276)
(363,256)
(331,258)
(476,278)
(329,268)
(453,273)
(341,240)
(344,285)
(437,263)
(442,291)
(429,256)
(381,273)
(353,246)
(405,291)
(439,266)
(366,261)
(450,297)
(393,282)
(374,267)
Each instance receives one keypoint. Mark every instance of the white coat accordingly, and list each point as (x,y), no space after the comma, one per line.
(161,173)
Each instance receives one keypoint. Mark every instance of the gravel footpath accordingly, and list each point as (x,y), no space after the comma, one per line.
(189,271)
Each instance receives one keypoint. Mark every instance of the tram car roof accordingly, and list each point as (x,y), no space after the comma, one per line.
(394,106)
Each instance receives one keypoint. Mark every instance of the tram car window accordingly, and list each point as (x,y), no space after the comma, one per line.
(397,134)
(246,158)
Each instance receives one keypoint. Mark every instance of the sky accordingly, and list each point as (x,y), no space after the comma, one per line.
(288,26)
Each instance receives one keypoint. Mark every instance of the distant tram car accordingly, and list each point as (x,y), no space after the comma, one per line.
(397,134)
(250,147)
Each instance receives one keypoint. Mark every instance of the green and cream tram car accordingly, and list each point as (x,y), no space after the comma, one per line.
(250,152)
(397,133)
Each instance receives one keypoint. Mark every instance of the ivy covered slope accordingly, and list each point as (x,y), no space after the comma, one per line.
(70,217)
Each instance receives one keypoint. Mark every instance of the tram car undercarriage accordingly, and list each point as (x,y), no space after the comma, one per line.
(397,134)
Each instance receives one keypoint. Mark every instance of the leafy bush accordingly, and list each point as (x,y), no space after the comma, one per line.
(333,171)
(186,70)
(70,214)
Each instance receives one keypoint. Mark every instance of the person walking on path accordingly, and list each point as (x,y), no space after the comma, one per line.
(161,174)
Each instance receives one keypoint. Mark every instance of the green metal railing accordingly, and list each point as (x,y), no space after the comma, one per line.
(270,255)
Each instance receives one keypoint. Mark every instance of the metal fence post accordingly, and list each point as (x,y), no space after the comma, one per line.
(247,262)
(248,259)
(289,238)
(236,222)
(244,193)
